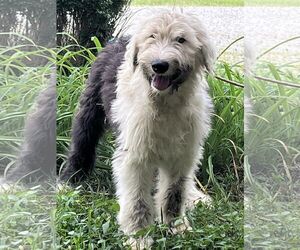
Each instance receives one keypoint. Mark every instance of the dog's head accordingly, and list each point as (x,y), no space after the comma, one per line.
(169,48)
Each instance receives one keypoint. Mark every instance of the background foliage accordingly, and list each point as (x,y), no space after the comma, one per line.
(84,19)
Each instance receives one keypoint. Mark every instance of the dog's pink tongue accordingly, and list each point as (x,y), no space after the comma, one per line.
(161,82)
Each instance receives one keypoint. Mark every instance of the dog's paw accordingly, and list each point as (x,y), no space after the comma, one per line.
(62,187)
(180,226)
(205,199)
(196,196)
(7,187)
(140,243)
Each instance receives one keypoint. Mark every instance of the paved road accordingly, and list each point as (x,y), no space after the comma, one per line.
(264,27)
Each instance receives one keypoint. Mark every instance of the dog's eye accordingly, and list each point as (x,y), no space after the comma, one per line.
(152,36)
(180,39)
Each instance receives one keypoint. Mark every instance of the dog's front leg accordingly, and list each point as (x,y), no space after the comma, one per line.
(171,195)
(134,181)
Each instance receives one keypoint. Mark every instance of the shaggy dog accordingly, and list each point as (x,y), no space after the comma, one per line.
(36,161)
(151,89)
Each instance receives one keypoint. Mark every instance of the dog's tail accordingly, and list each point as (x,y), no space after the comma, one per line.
(95,106)
(88,126)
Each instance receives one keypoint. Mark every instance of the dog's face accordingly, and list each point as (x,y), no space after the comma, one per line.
(169,48)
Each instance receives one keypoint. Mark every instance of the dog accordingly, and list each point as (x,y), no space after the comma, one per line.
(151,89)
(36,160)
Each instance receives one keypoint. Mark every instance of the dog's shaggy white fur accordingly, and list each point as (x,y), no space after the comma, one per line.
(157,100)
(160,129)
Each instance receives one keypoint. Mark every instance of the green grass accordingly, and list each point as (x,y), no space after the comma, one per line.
(227,3)
(188,2)
(289,3)
(279,227)
(28,219)
(83,219)
(272,149)
(89,221)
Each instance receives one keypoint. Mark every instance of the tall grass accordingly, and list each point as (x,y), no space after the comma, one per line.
(19,86)
(272,149)
(77,226)
(272,142)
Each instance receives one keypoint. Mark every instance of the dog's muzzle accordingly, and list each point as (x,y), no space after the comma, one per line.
(162,82)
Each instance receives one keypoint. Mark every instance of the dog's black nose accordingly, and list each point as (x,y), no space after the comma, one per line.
(159,66)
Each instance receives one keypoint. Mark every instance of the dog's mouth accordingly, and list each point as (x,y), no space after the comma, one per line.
(162,82)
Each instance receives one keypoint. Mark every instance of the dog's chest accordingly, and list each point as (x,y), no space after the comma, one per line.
(157,134)
(170,134)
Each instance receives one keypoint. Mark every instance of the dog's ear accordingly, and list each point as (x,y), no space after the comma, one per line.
(132,54)
(207,54)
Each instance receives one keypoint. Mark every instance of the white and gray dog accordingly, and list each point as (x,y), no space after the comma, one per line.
(151,89)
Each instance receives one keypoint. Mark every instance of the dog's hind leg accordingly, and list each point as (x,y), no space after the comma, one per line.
(88,126)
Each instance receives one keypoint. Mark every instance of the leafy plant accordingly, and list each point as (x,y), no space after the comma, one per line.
(86,217)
